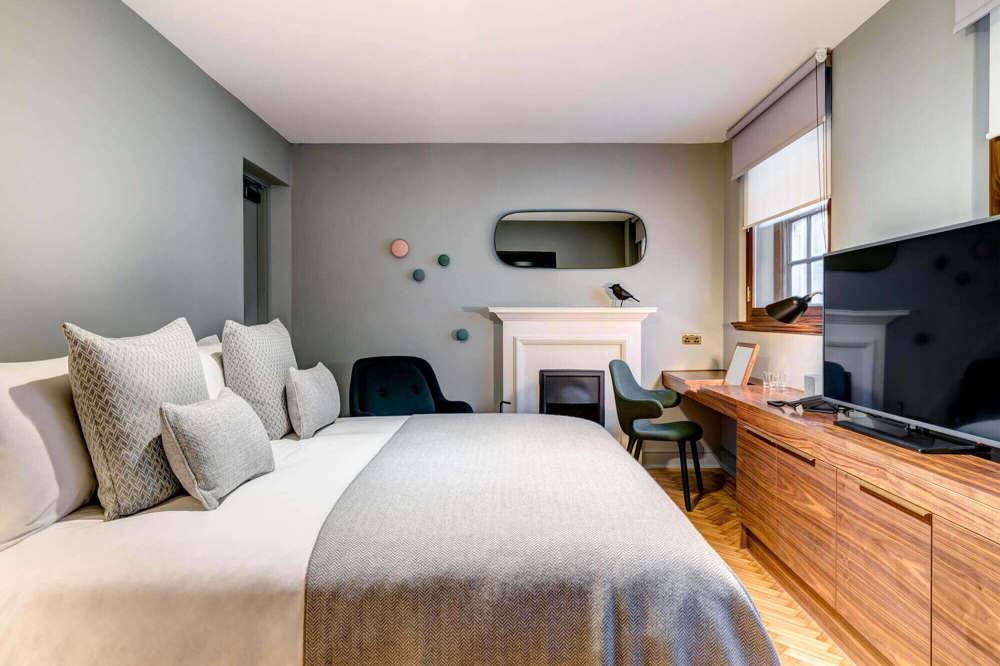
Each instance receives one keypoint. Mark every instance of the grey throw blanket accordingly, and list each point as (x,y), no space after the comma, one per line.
(518,539)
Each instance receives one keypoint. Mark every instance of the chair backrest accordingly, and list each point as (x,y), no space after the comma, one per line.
(392,386)
(627,394)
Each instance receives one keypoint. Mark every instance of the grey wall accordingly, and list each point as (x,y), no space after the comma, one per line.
(120,182)
(353,299)
(909,124)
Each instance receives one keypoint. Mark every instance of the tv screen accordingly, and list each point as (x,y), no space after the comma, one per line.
(912,330)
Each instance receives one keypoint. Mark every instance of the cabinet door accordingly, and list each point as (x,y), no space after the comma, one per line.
(966,596)
(884,569)
(805,506)
(755,460)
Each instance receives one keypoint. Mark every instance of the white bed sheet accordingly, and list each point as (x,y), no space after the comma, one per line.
(178,584)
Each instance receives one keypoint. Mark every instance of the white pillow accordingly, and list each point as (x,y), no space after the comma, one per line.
(210,351)
(45,470)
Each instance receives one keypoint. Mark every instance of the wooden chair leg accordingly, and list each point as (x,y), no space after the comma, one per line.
(697,468)
(638,448)
(682,448)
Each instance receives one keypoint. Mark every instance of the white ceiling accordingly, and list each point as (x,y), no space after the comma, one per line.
(323,71)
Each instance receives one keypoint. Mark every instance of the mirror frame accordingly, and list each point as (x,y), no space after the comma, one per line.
(496,254)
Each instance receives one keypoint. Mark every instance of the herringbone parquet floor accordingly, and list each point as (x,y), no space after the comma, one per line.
(797,638)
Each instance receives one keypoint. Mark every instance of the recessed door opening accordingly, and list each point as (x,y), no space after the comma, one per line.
(255,251)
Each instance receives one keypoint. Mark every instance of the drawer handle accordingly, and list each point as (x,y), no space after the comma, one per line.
(787,448)
(896,501)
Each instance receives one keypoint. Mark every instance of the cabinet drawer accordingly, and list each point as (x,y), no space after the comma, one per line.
(805,509)
(755,460)
(884,569)
(966,596)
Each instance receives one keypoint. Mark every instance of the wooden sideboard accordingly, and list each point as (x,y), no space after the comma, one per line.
(896,554)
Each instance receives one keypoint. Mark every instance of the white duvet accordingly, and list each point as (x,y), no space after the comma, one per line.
(178,584)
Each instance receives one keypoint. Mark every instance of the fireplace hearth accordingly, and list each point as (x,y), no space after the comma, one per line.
(578,393)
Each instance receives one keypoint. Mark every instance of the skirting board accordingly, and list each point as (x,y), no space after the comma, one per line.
(663,455)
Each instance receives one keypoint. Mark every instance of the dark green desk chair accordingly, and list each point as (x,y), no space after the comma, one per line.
(637,405)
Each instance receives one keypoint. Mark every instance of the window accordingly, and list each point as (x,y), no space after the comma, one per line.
(785,258)
(787,233)
(780,155)
(788,257)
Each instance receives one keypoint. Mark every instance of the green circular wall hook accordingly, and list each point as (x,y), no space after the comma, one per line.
(444,259)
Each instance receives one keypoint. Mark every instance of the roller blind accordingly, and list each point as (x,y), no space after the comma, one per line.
(792,179)
(795,107)
(968,12)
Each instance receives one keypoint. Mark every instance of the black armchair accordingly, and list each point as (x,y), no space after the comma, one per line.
(398,385)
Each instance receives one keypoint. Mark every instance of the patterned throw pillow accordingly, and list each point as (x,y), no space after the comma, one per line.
(313,399)
(118,386)
(255,361)
(215,446)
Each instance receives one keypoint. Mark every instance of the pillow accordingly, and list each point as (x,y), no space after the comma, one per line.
(210,351)
(257,359)
(215,446)
(118,387)
(45,472)
(313,399)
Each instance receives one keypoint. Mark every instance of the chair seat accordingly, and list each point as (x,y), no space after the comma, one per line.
(678,431)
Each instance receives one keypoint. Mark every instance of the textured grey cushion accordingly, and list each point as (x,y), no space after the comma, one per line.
(215,446)
(118,387)
(313,399)
(256,360)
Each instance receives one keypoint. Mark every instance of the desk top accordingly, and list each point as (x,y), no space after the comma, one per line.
(974,477)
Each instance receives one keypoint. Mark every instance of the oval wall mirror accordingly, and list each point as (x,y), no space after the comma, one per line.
(570,239)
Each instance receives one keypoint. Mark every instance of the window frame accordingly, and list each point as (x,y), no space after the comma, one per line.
(757,319)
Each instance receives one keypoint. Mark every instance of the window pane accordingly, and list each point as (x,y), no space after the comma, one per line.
(817,242)
(799,284)
(763,263)
(816,281)
(797,244)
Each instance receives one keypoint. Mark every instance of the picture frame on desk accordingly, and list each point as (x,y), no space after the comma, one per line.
(741,364)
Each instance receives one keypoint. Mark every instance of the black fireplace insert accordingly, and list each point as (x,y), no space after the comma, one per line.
(578,393)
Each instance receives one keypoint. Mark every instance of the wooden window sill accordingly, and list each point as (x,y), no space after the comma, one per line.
(810,323)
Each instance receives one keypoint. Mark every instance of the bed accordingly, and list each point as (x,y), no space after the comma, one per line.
(444,539)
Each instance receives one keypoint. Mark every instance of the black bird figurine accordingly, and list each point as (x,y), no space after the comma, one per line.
(622,294)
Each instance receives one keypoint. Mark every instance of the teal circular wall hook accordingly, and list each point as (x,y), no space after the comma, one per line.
(461,335)
(419,275)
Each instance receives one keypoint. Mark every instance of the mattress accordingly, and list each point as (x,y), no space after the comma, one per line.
(180,585)
(444,539)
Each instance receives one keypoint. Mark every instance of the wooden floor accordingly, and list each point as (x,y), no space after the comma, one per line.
(796,637)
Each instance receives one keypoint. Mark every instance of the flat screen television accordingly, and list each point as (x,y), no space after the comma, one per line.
(911,334)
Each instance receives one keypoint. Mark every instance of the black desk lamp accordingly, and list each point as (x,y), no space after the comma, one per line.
(788,310)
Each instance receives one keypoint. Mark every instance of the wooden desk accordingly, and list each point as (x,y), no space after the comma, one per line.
(895,553)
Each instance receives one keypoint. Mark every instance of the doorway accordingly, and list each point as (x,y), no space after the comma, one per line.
(255,251)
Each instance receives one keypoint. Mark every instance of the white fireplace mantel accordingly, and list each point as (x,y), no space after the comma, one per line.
(572,313)
(572,338)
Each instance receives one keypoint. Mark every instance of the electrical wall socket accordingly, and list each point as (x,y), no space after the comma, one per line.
(691,339)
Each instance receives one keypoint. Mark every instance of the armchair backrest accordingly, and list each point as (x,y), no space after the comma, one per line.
(393,386)
(631,400)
